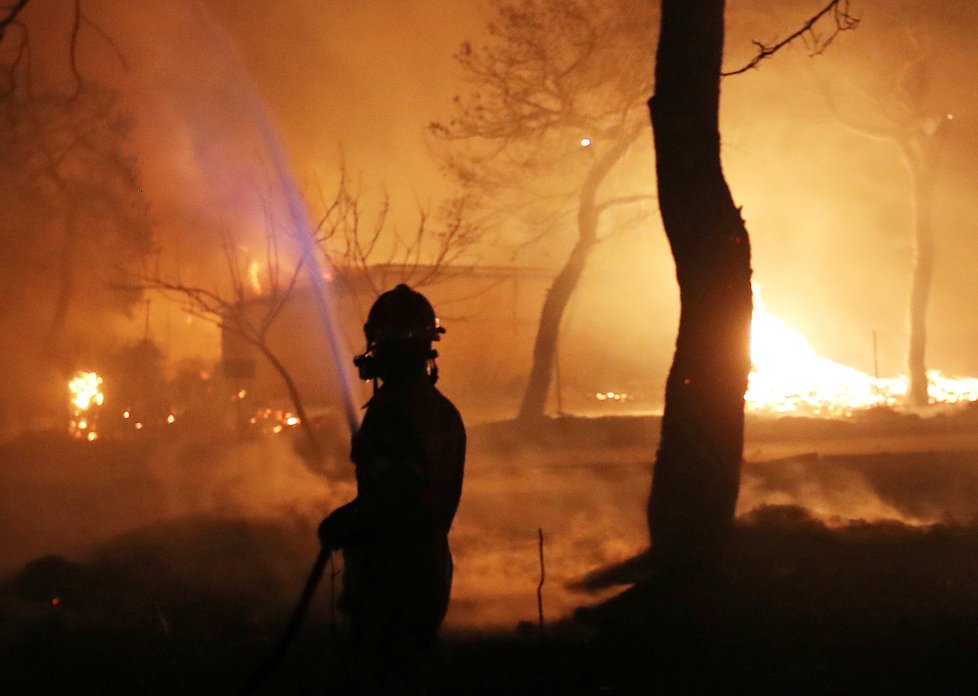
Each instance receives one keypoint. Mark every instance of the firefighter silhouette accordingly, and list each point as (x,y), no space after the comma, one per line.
(409,455)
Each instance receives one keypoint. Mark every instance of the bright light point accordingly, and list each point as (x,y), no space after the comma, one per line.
(292,421)
(92,437)
(85,389)
(170,418)
(125,414)
(585,142)
(277,429)
(139,426)
(82,424)
(950,117)
(242,393)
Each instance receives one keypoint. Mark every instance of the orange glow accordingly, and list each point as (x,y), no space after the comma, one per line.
(787,376)
(85,390)
(253,277)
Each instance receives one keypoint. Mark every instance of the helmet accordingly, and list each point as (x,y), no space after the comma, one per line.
(400,328)
(402,314)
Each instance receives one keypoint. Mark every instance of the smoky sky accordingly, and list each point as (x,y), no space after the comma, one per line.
(828,209)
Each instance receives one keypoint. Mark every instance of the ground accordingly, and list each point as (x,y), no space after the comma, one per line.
(169,565)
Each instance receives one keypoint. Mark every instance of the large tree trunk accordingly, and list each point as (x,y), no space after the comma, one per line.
(559,294)
(697,468)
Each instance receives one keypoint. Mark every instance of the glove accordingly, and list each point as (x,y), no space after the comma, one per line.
(327,534)
(337,528)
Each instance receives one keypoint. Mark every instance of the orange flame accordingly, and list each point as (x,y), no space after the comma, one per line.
(788,376)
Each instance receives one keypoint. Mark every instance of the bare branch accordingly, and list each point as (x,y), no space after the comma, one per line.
(622,200)
(73,50)
(368,245)
(11,16)
(842,18)
(107,38)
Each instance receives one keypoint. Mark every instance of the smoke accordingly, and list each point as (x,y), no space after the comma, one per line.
(828,211)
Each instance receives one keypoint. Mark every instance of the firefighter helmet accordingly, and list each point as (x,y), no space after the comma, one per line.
(400,328)
(402,314)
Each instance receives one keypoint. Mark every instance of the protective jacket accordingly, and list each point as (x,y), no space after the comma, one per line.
(409,455)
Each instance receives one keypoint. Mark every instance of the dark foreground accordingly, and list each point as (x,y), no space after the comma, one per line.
(798,608)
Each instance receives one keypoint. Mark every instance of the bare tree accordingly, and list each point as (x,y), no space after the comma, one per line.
(245,312)
(359,240)
(555,104)
(908,109)
(352,240)
(697,468)
(73,219)
(69,177)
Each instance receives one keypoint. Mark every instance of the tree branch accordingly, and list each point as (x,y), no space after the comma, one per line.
(73,50)
(11,16)
(842,17)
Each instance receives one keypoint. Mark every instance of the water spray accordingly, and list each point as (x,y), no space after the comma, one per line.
(317,278)
(298,217)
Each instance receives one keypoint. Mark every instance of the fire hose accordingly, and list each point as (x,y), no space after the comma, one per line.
(294,624)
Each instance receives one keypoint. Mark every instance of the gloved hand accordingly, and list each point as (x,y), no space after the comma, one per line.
(338,528)
(327,533)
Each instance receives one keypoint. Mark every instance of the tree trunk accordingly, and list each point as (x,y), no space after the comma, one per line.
(66,280)
(920,281)
(558,296)
(697,470)
(922,153)
(316,451)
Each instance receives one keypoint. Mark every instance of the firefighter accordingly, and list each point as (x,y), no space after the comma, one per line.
(409,455)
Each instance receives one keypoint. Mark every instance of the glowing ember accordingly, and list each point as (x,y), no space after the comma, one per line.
(271,420)
(787,376)
(611,396)
(585,142)
(86,398)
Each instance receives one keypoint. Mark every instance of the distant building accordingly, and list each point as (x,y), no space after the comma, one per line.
(490,314)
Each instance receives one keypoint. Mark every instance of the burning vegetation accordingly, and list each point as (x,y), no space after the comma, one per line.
(165,556)
(86,401)
(788,377)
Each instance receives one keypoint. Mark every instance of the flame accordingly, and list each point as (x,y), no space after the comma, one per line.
(275,421)
(254,278)
(611,396)
(85,389)
(788,376)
